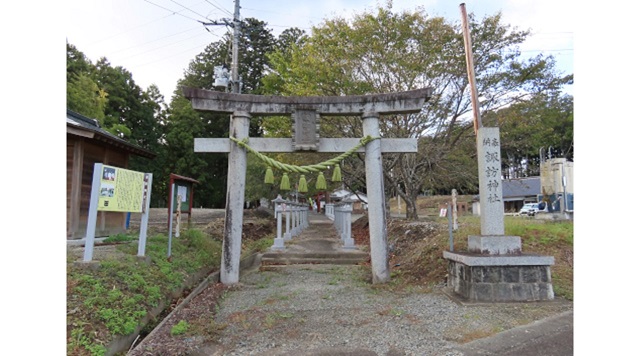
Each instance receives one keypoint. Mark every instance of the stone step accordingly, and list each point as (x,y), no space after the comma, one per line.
(336,258)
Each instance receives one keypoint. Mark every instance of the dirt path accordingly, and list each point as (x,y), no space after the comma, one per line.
(331,310)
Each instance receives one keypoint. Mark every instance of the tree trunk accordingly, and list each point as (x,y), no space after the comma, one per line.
(412,210)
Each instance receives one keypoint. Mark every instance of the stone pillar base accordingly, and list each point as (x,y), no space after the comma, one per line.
(349,244)
(278,244)
(504,278)
(494,244)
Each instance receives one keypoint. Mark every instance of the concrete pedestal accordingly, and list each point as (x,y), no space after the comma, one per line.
(500,278)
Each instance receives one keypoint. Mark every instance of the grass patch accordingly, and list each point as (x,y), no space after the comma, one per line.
(416,258)
(260,245)
(180,328)
(118,238)
(114,298)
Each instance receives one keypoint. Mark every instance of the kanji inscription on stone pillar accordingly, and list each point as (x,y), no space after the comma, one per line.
(490,178)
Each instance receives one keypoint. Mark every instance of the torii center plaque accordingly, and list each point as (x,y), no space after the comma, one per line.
(306,112)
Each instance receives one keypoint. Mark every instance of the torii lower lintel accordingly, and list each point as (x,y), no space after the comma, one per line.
(223,145)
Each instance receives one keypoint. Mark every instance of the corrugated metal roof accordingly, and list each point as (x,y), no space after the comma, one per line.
(521,187)
(88,124)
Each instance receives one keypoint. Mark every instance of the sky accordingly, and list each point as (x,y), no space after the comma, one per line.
(156,39)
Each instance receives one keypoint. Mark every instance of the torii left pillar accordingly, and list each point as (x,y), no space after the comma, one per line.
(232,238)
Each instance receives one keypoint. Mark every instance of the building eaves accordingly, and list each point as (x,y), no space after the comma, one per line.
(84,123)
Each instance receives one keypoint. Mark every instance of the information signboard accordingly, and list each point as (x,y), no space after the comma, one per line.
(118,190)
(121,190)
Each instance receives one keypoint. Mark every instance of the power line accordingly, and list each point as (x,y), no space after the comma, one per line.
(172,11)
(157,39)
(281,13)
(220,8)
(186,8)
(165,45)
(167,57)
(127,30)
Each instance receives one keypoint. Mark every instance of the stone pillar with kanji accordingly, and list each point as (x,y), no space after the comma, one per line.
(494,268)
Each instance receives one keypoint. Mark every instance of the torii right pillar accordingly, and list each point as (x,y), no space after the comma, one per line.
(494,269)
(375,192)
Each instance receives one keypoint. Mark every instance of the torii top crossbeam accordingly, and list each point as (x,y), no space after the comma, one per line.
(264,105)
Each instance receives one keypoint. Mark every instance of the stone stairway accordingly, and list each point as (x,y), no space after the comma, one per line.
(317,244)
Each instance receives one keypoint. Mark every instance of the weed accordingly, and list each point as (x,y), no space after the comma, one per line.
(80,340)
(180,328)
(335,280)
(272,319)
(260,245)
(118,238)
(392,311)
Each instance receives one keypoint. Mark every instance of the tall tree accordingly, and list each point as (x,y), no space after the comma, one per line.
(83,94)
(111,95)
(85,97)
(540,123)
(184,124)
(382,51)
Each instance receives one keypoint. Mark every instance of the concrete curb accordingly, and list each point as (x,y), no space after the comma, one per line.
(547,337)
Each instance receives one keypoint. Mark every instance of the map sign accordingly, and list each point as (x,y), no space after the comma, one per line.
(121,190)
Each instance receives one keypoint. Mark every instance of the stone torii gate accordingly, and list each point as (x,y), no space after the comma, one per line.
(306,113)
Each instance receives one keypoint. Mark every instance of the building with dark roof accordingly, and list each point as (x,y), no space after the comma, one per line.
(517,192)
(87,144)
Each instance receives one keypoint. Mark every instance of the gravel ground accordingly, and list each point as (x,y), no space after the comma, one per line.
(333,310)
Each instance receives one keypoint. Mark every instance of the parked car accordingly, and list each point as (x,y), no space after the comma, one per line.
(531,209)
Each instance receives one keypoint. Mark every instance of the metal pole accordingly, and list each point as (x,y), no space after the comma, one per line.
(450,228)
(235,82)
(93,213)
(564,188)
(144,219)
(475,103)
(171,220)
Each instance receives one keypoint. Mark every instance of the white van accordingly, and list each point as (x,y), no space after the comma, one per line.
(531,209)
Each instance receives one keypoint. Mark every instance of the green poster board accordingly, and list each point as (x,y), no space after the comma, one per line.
(184,190)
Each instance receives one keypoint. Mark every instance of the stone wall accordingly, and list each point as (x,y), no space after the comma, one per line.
(500,283)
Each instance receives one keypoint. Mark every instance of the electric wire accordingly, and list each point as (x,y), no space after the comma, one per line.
(164,58)
(186,8)
(160,47)
(219,8)
(172,11)
(155,40)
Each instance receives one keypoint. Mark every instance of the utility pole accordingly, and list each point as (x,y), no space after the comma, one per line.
(475,103)
(235,81)
(235,24)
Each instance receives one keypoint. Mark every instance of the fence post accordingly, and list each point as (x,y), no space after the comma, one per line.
(278,242)
(287,234)
(348,240)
